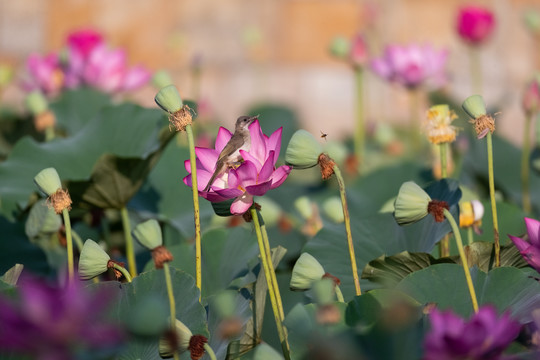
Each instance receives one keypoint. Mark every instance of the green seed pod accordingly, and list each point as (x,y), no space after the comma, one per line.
(411,204)
(93,260)
(168,98)
(333,208)
(340,47)
(148,234)
(183,335)
(161,79)
(36,103)
(48,181)
(388,206)
(304,206)
(323,291)
(303,150)
(42,220)
(474,106)
(337,151)
(270,210)
(306,270)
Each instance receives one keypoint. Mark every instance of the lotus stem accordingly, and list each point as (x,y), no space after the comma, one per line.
(210,352)
(69,245)
(444,244)
(130,252)
(339,294)
(360,133)
(272,291)
(172,303)
(525,191)
(347,218)
(196,211)
(123,270)
(470,238)
(457,235)
(78,241)
(493,203)
(268,253)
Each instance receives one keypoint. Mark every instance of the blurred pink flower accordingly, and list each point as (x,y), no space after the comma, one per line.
(359,51)
(412,65)
(254,177)
(44,74)
(530,250)
(531,98)
(84,41)
(475,24)
(135,78)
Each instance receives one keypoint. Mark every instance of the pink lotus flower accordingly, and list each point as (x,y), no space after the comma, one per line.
(530,250)
(475,24)
(531,98)
(359,51)
(84,41)
(411,65)
(45,74)
(254,177)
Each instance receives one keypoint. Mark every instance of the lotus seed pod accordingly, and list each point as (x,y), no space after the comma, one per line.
(333,208)
(147,317)
(42,220)
(36,103)
(264,351)
(224,303)
(411,203)
(388,206)
(148,234)
(304,206)
(168,98)
(306,270)
(183,335)
(323,291)
(340,47)
(48,181)
(93,260)
(270,210)
(337,151)
(303,150)
(161,79)
(474,106)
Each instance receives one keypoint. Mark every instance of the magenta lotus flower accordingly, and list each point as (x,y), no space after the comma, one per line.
(46,323)
(475,24)
(254,177)
(485,336)
(359,51)
(45,74)
(412,65)
(531,98)
(84,42)
(530,250)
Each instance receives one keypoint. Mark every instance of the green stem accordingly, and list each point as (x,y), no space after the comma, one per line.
(444,244)
(268,253)
(124,271)
(130,252)
(360,133)
(457,235)
(196,211)
(341,183)
(339,294)
(470,238)
(69,243)
(525,153)
(49,133)
(78,240)
(476,70)
(172,303)
(493,203)
(210,352)
(272,291)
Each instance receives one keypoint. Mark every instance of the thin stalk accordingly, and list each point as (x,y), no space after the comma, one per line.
(341,183)
(196,211)
(457,235)
(525,192)
(210,352)
(268,269)
(268,253)
(444,244)
(493,203)
(78,241)
(339,294)
(470,236)
(123,270)
(130,252)
(172,303)
(69,244)
(360,133)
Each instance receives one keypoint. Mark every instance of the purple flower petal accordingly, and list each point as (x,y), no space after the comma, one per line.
(258,143)
(533,229)
(247,173)
(241,204)
(259,189)
(222,139)
(208,158)
(279,175)
(229,193)
(274,142)
(135,78)
(248,157)
(266,171)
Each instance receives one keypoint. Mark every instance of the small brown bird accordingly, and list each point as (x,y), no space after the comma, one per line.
(230,154)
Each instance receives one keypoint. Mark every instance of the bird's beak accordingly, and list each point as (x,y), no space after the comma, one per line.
(253,118)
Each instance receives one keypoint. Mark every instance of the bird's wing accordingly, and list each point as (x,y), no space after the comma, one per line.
(227,150)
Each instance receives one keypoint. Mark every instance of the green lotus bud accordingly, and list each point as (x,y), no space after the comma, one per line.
(411,203)
(183,335)
(147,317)
(333,208)
(474,106)
(304,206)
(6,74)
(532,21)
(270,210)
(168,98)
(93,260)
(42,220)
(340,47)
(303,150)
(323,291)
(36,103)
(161,79)
(224,303)
(306,270)
(48,181)
(148,234)
(263,351)
(337,151)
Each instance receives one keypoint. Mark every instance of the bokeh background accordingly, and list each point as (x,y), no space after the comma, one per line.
(277,51)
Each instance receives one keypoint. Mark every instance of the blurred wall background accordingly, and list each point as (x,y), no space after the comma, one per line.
(277,50)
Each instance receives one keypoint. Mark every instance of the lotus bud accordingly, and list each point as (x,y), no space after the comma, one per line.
(304,206)
(337,151)
(474,106)
(147,317)
(270,210)
(93,260)
(6,74)
(531,98)
(168,98)
(42,220)
(359,51)
(225,303)
(333,208)
(532,21)
(36,103)
(183,335)
(323,291)
(411,204)
(340,47)
(303,150)
(161,79)
(148,234)
(306,270)
(48,181)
